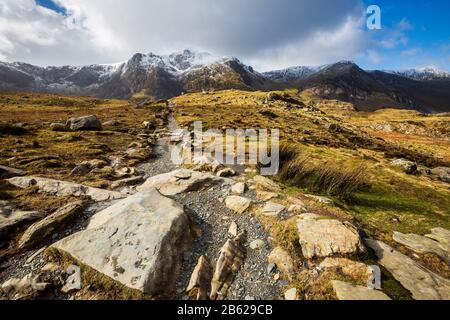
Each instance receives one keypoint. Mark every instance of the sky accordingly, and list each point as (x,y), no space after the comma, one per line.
(267,34)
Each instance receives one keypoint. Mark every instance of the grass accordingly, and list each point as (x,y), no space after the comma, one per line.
(35,148)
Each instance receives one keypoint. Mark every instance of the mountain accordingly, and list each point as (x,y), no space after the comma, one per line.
(158,76)
(291,75)
(166,76)
(422,74)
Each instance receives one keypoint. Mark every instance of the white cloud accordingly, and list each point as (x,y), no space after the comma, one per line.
(411,52)
(266,33)
(374,56)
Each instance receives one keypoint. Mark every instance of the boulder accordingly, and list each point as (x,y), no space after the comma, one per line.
(324,238)
(272,209)
(348,292)
(127,182)
(282,260)
(55,222)
(64,188)
(15,220)
(442,173)
(170,184)
(265,184)
(320,199)
(442,236)
(421,282)
(200,281)
(7,172)
(237,204)
(80,170)
(59,127)
(406,166)
(139,242)
(421,244)
(231,259)
(87,123)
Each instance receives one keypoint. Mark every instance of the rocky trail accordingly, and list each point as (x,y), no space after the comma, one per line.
(199,233)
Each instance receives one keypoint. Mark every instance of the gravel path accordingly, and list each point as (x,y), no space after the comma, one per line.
(207,212)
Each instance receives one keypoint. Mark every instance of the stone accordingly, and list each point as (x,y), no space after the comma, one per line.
(320,199)
(64,188)
(28,287)
(55,222)
(296,209)
(323,238)
(15,220)
(265,184)
(257,244)
(238,188)
(406,166)
(349,292)
(227,172)
(7,172)
(95,164)
(237,204)
(80,170)
(200,280)
(132,181)
(282,260)
(421,282)
(233,230)
(73,281)
(291,294)
(421,244)
(442,173)
(266,196)
(169,184)
(442,236)
(87,123)
(138,153)
(374,281)
(272,209)
(59,127)
(231,259)
(354,269)
(139,241)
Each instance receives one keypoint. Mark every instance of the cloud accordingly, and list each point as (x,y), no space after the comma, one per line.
(374,56)
(411,52)
(396,36)
(267,33)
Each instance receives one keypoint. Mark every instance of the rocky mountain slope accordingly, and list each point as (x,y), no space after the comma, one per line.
(166,76)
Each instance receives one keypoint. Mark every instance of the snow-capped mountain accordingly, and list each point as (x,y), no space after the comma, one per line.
(160,76)
(291,74)
(423,74)
(166,76)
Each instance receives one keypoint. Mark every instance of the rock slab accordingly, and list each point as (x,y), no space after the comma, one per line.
(139,242)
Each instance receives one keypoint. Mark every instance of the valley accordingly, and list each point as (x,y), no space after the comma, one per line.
(356,191)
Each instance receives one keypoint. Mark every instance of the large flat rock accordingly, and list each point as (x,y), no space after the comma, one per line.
(138,242)
(180,181)
(349,292)
(421,282)
(422,244)
(324,238)
(64,188)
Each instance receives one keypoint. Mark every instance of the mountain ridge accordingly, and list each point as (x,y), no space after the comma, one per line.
(166,76)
